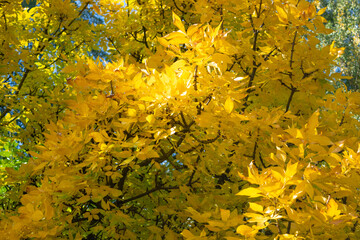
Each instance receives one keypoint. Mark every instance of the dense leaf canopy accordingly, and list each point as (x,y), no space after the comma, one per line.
(201,119)
(343,17)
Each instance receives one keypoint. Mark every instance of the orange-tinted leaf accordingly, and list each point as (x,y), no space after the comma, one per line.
(37,215)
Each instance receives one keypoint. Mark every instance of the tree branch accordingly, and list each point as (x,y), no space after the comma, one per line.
(73,20)
(7,110)
(157,188)
(293,90)
(255,64)
(292,51)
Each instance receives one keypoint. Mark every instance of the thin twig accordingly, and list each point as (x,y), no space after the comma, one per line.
(293,90)
(211,140)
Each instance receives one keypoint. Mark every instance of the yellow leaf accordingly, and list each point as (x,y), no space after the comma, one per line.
(313,123)
(78,236)
(291,170)
(176,38)
(187,234)
(299,190)
(225,214)
(40,166)
(321,11)
(246,231)
(179,64)
(150,119)
(163,42)
(282,14)
(127,161)
(141,107)
(96,136)
(49,210)
(346,77)
(8,117)
(108,168)
(253,174)
(124,154)
(229,105)
(332,208)
(37,215)
(66,185)
(216,30)
(256,207)
(83,199)
(322,140)
(309,190)
(294,132)
(178,23)
(70,69)
(250,192)
(192,29)
(131,112)
(105,205)
(96,9)
(115,192)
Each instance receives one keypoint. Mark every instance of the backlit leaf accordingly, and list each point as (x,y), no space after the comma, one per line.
(256,207)
(178,23)
(229,105)
(332,208)
(246,231)
(250,192)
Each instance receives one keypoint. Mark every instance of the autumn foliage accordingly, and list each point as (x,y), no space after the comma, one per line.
(209,120)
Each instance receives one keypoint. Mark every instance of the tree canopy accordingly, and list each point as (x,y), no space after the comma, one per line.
(175,119)
(342,17)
